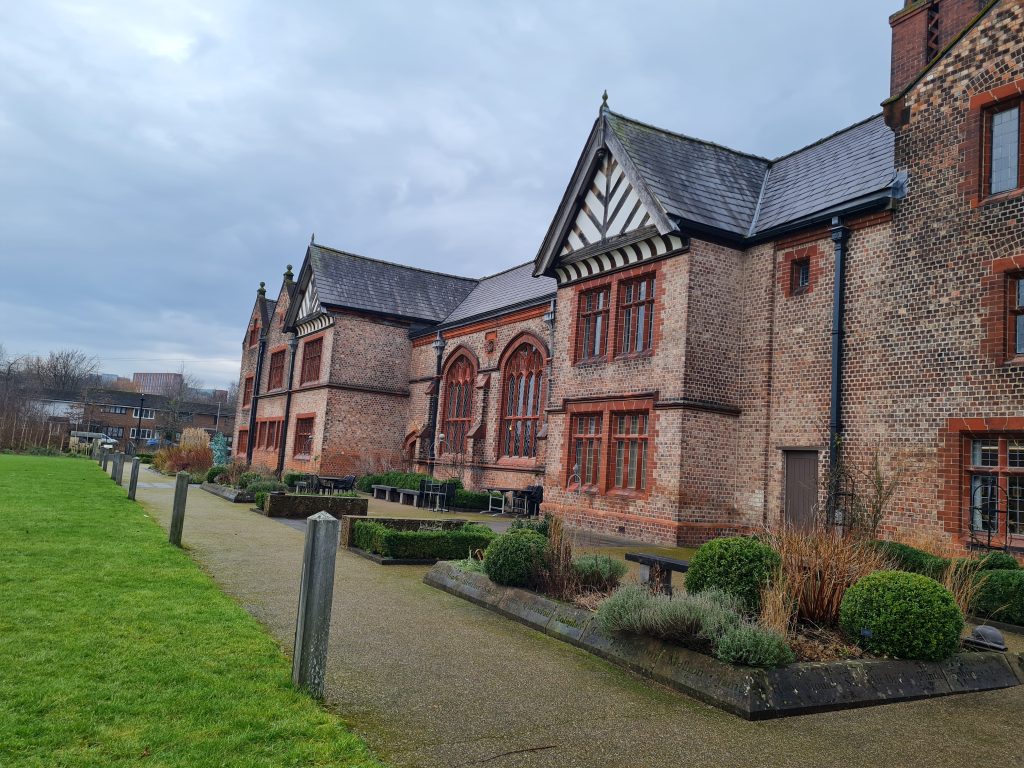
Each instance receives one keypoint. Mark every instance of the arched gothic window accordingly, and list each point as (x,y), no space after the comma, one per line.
(523,379)
(458,405)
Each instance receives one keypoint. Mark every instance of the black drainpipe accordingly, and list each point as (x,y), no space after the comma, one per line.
(840,235)
(257,374)
(293,345)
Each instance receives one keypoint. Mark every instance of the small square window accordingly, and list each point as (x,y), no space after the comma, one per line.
(800,278)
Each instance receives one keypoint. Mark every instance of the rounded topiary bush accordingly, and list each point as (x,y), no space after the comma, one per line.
(513,558)
(906,615)
(999,561)
(1001,596)
(738,566)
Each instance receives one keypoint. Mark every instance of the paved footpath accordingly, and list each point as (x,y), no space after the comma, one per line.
(431,680)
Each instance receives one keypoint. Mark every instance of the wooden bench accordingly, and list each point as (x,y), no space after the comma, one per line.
(656,571)
(414,496)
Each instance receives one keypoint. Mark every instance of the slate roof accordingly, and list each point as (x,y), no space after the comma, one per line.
(693,180)
(744,195)
(357,282)
(513,287)
(847,165)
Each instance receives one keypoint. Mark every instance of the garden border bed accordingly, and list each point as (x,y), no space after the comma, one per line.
(234,495)
(381,560)
(753,694)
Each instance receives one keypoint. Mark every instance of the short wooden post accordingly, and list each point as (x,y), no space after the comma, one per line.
(178,508)
(133,479)
(96,451)
(316,591)
(113,465)
(119,469)
(105,459)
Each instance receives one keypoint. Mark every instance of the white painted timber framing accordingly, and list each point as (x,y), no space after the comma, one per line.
(611,207)
(616,258)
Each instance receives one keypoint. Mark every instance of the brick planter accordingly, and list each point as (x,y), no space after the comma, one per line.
(753,694)
(300,507)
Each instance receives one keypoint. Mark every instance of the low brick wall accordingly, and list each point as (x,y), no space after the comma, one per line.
(281,505)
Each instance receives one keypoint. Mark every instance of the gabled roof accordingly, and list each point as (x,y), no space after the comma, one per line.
(267,309)
(515,287)
(346,280)
(693,185)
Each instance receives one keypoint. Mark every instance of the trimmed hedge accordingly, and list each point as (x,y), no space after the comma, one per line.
(900,614)
(456,544)
(1001,596)
(514,558)
(737,565)
(999,561)
(471,499)
(214,472)
(408,480)
(913,560)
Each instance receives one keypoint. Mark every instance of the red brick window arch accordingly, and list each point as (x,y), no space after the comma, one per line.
(523,379)
(458,404)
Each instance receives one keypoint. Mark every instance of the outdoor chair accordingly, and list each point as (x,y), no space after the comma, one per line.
(347,483)
(308,484)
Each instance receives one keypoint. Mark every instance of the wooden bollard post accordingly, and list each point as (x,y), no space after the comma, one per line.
(178,509)
(119,469)
(133,479)
(113,465)
(105,459)
(316,591)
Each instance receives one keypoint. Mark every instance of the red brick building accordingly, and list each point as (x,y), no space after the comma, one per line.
(705,336)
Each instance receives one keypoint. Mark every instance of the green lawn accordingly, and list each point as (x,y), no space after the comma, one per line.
(116,649)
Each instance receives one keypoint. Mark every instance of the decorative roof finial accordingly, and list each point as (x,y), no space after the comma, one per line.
(288,274)
(604,101)
(262,290)
(312,238)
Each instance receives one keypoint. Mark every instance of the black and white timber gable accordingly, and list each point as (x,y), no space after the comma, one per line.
(306,314)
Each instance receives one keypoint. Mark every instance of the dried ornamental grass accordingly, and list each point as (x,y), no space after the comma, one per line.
(819,564)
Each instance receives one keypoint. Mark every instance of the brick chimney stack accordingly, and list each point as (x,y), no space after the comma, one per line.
(922,30)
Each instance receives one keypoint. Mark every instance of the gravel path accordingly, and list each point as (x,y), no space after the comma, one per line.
(431,680)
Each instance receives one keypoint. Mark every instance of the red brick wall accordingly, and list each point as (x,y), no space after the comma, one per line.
(910,34)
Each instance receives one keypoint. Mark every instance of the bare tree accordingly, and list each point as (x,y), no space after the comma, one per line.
(66,370)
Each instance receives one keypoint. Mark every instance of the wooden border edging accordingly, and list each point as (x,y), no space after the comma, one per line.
(753,694)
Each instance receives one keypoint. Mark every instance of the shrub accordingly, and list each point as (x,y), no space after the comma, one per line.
(421,545)
(470,564)
(261,499)
(219,447)
(145,459)
(599,572)
(1001,597)
(266,485)
(740,566)
(194,437)
(214,472)
(900,614)
(693,620)
(819,564)
(754,646)
(291,478)
(514,558)
(541,526)
(410,480)
(913,560)
(182,458)
(246,478)
(234,471)
(999,561)
(471,499)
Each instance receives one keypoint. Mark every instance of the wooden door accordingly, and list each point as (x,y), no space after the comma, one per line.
(801,485)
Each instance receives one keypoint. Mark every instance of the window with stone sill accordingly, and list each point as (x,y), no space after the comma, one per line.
(311,353)
(586,453)
(800,276)
(636,315)
(1015,329)
(458,405)
(276,379)
(243,440)
(304,436)
(523,385)
(247,392)
(1004,158)
(629,451)
(592,324)
(994,480)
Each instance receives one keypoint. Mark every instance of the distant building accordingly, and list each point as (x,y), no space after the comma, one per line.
(157,382)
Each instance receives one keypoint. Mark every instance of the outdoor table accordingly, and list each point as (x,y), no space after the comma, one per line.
(497,503)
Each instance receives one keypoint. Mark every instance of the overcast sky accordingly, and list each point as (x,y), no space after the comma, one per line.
(159,159)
